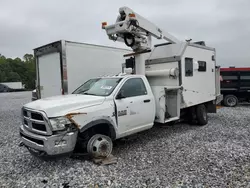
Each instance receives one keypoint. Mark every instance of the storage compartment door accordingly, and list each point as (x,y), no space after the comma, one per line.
(172,103)
(217,80)
(50,75)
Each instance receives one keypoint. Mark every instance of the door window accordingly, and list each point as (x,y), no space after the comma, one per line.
(133,87)
(188,67)
(202,66)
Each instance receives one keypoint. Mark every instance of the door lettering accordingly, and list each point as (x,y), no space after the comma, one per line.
(122,113)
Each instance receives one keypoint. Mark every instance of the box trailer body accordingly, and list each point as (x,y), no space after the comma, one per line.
(235,85)
(62,66)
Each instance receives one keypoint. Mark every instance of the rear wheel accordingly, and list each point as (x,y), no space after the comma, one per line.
(230,101)
(190,116)
(201,114)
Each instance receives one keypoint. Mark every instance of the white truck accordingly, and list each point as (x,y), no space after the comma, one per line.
(62,66)
(175,80)
(11,86)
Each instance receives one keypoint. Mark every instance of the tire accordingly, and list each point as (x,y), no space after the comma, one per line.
(82,141)
(190,116)
(201,114)
(230,101)
(89,143)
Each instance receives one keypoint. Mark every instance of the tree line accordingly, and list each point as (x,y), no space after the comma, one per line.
(18,70)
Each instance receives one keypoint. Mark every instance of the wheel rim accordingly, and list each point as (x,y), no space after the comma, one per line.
(231,101)
(100,146)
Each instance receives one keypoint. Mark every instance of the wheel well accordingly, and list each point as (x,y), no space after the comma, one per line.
(230,94)
(97,128)
(102,128)
(211,106)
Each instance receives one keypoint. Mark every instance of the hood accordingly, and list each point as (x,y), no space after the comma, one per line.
(62,104)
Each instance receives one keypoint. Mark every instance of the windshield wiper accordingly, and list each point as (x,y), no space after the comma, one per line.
(86,93)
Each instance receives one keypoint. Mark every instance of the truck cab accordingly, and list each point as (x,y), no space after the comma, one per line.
(99,111)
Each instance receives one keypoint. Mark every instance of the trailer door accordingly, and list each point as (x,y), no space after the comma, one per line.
(50,75)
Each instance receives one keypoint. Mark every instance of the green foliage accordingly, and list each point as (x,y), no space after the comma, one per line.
(18,70)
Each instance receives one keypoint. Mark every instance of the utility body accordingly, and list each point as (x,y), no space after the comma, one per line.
(172,81)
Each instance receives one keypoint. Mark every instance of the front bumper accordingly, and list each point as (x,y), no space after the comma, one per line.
(51,145)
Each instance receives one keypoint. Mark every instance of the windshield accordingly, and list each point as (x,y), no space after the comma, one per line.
(98,87)
(84,87)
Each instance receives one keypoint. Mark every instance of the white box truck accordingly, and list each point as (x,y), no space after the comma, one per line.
(173,81)
(118,106)
(11,86)
(62,66)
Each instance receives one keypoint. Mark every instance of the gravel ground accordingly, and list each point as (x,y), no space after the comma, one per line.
(215,155)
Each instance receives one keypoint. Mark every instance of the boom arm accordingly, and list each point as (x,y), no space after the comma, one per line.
(135,30)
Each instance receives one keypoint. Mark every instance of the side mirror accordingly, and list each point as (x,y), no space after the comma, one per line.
(120,95)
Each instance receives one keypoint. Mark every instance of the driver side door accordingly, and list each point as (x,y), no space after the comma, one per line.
(135,107)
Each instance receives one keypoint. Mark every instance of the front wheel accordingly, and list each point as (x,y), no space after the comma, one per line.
(100,146)
(201,114)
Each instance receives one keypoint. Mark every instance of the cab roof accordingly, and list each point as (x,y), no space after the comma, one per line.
(122,75)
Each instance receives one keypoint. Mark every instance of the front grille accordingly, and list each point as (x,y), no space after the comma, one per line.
(25,113)
(40,142)
(37,116)
(35,121)
(25,122)
(39,127)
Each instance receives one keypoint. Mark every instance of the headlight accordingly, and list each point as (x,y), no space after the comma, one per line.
(59,123)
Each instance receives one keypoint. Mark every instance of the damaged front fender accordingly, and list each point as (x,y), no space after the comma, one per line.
(101,121)
(70,116)
(83,124)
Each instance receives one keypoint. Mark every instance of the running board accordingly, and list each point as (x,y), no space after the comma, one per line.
(172,119)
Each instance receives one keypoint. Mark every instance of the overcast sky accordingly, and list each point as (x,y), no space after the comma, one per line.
(223,24)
